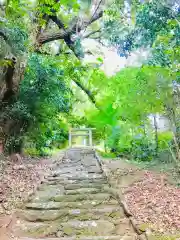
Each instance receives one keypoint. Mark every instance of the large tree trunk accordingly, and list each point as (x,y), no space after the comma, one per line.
(9,85)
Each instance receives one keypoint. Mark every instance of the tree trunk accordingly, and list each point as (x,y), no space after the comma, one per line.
(156,134)
(173,110)
(10,82)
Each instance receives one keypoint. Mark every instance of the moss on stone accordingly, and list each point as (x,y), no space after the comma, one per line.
(115,214)
(144,226)
(163,237)
(86,232)
(68,231)
(42,231)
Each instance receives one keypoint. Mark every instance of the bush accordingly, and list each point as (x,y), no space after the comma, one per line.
(143,149)
(164,139)
(107,154)
(33,152)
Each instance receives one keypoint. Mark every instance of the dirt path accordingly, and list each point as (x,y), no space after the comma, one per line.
(74,203)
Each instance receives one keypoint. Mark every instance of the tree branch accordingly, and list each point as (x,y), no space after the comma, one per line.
(49,37)
(95,12)
(66,34)
(97,16)
(87,91)
(91,33)
(59,23)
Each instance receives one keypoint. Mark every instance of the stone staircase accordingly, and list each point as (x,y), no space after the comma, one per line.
(74,203)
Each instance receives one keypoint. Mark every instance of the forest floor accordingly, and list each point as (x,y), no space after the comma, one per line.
(19,180)
(150,194)
(151,197)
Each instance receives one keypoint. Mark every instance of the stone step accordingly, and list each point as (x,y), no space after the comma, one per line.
(65,181)
(61,205)
(35,230)
(88,228)
(95,213)
(74,203)
(86,173)
(47,192)
(94,170)
(58,187)
(96,227)
(89,177)
(72,164)
(117,237)
(84,191)
(83,185)
(73,174)
(71,228)
(81,197)
(70,169)
(69,181)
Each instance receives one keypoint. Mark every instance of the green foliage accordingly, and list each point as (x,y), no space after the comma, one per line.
(165,140)
(130,94)
(107,155)
(48,103)
(43,97)
(143,148)
(46,95)
(33,152)
(157,25)
(151,19)
(126,101)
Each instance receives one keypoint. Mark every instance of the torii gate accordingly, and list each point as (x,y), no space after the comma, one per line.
(84,132)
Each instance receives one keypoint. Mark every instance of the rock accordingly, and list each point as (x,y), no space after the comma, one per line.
(124,227)
(47,215)
(83,185)
(2,210)
(30,165)
(142,237)
(76,213)
(45,205)
(48,193)
(16,158)
(94,169)
(22,189)
(83,191)
(88,228)
(67,170)
(59,234)
(61,205)
(87,176)
(59,188)
(19,167)
(37,230)
(5,205)
(129,237)
(81,197)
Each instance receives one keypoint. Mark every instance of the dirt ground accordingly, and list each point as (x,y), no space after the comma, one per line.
(151,198)
(18,180)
